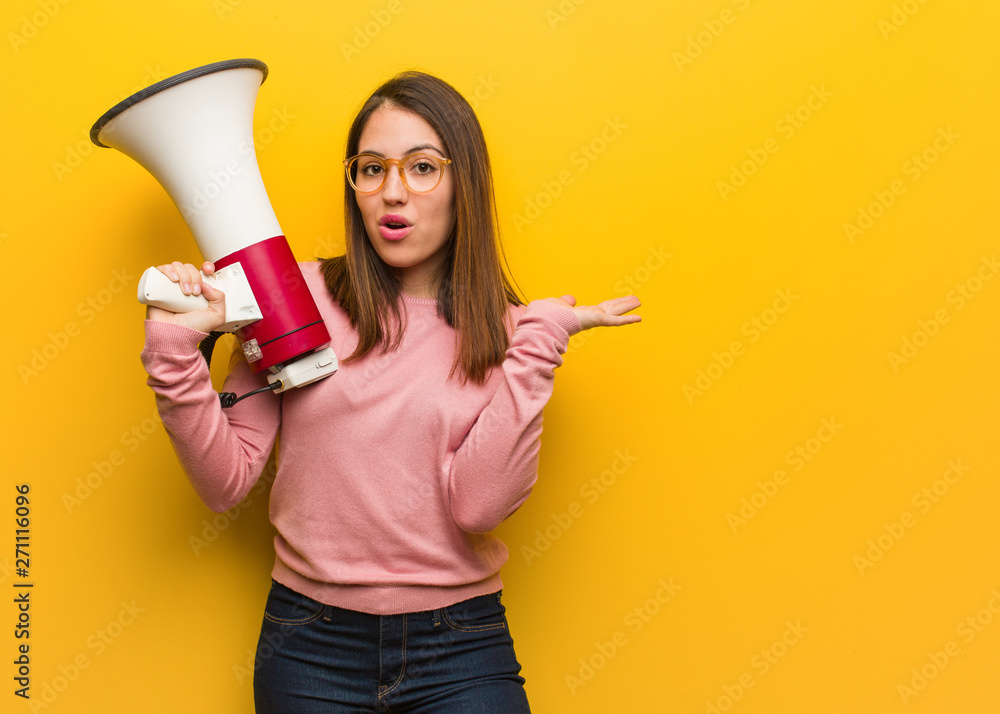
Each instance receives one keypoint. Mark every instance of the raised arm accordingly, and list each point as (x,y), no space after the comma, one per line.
(222,452)
(496,466)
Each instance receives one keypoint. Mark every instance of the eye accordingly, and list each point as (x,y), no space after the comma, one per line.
(423,166)
(370,168)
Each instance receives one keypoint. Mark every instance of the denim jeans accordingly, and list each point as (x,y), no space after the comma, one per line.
(313,657)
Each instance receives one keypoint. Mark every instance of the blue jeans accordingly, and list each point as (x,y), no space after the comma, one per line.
(313,657)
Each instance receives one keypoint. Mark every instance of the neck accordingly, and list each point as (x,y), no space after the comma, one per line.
(419,285)
(419,292)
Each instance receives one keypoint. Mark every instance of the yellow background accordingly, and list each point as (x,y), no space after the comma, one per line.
(129,613)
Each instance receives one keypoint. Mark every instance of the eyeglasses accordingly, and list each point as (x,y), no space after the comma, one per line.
(420,173)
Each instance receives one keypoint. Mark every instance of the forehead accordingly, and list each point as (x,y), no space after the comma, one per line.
(392,131)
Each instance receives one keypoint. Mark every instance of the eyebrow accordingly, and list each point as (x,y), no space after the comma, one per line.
(420,147)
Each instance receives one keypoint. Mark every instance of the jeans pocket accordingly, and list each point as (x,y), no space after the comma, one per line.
(288,607)
(477,614)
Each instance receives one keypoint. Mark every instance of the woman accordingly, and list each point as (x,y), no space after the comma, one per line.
(391,474)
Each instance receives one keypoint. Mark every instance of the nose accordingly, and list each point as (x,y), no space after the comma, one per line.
(394,190)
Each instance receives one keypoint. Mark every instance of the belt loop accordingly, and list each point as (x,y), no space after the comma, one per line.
(436,615)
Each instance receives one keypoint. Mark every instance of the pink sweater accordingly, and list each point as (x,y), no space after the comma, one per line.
(390,476)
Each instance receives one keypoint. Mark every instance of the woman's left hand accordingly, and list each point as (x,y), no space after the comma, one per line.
(609,313)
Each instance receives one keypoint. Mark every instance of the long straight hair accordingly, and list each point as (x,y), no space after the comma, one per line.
(475,292)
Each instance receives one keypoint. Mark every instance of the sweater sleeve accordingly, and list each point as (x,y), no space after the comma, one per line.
(496,466)
(223,452)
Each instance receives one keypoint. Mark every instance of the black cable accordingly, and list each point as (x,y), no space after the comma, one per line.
(228,399)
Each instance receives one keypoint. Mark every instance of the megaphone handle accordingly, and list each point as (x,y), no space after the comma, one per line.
(158,290)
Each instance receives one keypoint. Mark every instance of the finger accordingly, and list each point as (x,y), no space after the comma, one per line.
(196,278)
(212,294)
(569,299)
(616,320)
(216,304)
(606,320)
(182,276)
(190,278)
(619,306)
(169,271)
(208,268)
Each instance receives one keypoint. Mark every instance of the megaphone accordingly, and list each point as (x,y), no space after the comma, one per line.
(194,133)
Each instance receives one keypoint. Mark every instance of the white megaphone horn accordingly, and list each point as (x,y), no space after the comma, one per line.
(194,133)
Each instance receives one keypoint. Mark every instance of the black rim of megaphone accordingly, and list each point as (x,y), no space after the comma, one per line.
(171,82)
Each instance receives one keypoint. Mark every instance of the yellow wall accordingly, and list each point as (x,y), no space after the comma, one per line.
(777,494)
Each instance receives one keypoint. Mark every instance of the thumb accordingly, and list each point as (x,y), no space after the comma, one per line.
(216,298)
(569,299)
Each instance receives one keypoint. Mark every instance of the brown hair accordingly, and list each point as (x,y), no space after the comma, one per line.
(475,293)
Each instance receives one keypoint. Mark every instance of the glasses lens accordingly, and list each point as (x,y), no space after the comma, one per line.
(422,171)
(366,173)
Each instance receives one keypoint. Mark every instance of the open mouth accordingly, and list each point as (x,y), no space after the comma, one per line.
(393,220)
(393,227)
